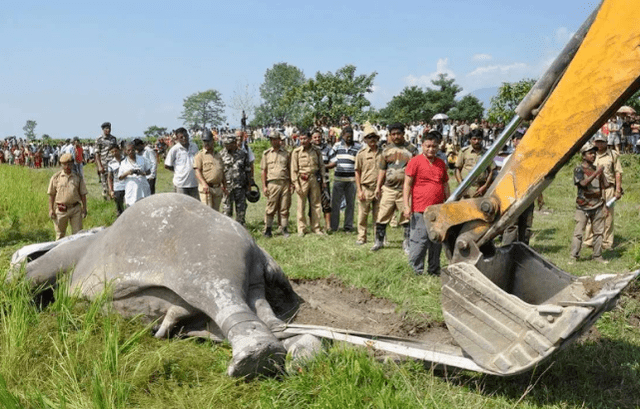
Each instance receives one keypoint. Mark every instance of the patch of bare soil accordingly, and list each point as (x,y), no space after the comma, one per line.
(328,302)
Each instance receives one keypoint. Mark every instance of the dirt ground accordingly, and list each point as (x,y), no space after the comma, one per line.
(328,302)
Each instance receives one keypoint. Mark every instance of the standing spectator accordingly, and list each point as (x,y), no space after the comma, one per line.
(276,183)
(116,186)
(149,154)
(393,162)
(78,158)
(589,203)
(133,171)
(615,126)
(367,162)
(209,169)
(67,198)
(103,156)
(307,169)
(179,160)
(344,179)
(426,183)
(237,170)
(325,196)
(612,169)
(466,161)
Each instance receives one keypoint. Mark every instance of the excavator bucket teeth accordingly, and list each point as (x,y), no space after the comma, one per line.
(514,309)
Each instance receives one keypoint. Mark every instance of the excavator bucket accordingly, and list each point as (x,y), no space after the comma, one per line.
(513,309)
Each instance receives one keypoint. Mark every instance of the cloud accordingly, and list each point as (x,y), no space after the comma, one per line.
(501,69)
(563,35)
(442,67)
(493,75)
(482,57)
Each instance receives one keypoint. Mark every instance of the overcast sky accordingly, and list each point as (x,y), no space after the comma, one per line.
(72,65)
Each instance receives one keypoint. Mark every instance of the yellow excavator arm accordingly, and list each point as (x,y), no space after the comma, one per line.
(507,307)
(603,72)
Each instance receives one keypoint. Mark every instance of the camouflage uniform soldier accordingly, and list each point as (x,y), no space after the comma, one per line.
(104,156)
(237,171)
(276,183)
(393,161)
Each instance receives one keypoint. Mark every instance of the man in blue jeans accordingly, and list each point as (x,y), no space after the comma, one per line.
(344,177)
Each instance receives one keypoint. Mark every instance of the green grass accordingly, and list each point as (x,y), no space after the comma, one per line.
(77,354)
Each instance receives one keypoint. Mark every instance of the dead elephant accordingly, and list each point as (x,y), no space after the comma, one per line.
(169,257)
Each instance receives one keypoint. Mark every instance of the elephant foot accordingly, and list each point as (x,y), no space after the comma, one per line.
(256,351)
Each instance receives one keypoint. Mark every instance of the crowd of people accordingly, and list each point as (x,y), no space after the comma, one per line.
(393,173)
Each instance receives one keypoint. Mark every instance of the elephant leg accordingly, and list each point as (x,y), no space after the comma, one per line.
(174,314)
(255,349)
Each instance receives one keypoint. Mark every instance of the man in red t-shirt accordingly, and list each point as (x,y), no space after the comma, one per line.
(426,183)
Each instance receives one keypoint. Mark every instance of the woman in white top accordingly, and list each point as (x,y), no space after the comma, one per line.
(133,171)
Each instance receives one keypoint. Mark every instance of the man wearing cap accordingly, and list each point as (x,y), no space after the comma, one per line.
(590,206)
(103,156)
(149,155)
(609,159)
(276,183)
(67,198)
(209,168)
(179,160)
(307,168)
(367,160)
(237,171)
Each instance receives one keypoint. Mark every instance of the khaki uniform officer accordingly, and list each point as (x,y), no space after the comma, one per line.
(609,159)
(276,183)
(306,165)
(467,159)
(210,174)
(67,198)
(366,177)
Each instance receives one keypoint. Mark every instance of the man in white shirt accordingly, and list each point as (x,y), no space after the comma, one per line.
(180,161)
(149,155)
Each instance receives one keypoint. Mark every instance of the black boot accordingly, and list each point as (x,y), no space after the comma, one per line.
(267,232)
(381,230)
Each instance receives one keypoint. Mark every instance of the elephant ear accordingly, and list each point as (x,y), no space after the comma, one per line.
(278,291)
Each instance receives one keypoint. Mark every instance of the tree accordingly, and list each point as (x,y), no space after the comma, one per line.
(408,106)
(331,95)
(443,98)
(468,108)
(203,109)
(503,105)
(155,132)
(244,100)
(278,81)
(634,101)
(29,129)
(416,104)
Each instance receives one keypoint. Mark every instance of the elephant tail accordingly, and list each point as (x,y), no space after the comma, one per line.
(278,291)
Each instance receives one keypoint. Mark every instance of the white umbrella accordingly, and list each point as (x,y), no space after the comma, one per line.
(626,110)
(440,116)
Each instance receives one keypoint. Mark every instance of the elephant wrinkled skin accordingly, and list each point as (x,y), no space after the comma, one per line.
(170,257)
